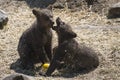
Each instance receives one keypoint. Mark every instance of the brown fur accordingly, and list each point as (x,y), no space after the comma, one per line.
(75,57)
(35,43)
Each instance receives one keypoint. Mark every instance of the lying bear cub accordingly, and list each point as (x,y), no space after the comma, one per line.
(69,53)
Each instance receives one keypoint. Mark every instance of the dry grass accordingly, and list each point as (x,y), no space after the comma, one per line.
(93,30)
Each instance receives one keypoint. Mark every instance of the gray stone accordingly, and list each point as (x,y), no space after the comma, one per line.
(3,19)
(17,77)
(39,3)
(114,11)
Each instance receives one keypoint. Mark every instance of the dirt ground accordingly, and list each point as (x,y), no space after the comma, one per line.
(94,30)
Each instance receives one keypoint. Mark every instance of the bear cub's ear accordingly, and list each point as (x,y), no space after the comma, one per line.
(58,21)
(35,12)
(72,35)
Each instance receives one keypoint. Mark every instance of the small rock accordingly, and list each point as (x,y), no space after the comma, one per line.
(114,11)
(16,77)
(90,2)
(3,19)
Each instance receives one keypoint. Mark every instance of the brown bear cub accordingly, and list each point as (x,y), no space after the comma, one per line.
(69,53)
(35,43)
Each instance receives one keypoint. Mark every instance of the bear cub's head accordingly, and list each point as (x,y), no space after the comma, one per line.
(64,30)
(44,17)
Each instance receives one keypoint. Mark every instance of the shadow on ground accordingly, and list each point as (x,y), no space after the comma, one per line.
(17,68)
(33,72)
(73,74)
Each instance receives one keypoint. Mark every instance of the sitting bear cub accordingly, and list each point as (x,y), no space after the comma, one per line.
(35,43)
(69,53)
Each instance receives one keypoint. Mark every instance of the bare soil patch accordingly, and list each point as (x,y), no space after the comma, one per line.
(93,29)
